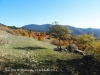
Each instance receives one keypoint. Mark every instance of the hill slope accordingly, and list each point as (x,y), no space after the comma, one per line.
(19,48)
(23,53)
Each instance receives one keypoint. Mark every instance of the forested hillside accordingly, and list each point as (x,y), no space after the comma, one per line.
(75,31)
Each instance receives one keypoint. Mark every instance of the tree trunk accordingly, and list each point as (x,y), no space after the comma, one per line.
(59,42)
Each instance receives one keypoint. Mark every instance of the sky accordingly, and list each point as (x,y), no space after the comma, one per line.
(77,13)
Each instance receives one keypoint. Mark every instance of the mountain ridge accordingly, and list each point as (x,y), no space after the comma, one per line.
(75,30)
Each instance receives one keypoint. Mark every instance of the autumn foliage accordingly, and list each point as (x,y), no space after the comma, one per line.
(39,36)
(17,32)
(85,42)
(62,42)
(30,33)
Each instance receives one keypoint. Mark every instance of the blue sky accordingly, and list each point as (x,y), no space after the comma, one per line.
(77,13)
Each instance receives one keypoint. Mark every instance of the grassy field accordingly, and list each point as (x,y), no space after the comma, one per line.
(18,52)
(19,45)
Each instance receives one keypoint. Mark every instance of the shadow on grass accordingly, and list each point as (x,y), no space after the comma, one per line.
(30,48)
(76,66)
(80,66)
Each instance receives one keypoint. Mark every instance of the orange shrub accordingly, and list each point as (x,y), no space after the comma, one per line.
(55,42)
(35,37)
(62,43)
(80,46)
(30,33)
(17,32)
(65,42)
(98,49)
(41,38)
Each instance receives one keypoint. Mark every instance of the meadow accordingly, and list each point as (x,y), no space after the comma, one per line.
(19,52)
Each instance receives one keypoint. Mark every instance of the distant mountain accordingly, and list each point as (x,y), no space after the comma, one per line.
(75,31)
(42,28)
